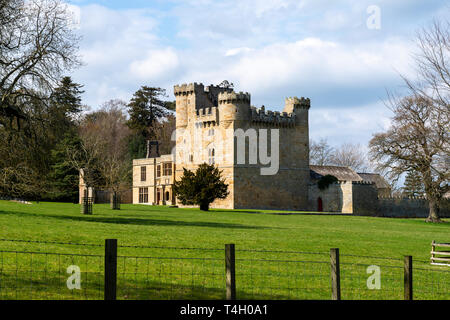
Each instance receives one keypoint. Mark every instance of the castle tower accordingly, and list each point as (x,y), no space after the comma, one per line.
(234,107)
(299,107)
(216,121)
(182,96)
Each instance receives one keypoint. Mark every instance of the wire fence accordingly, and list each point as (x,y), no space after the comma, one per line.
(26,275)
(33,270)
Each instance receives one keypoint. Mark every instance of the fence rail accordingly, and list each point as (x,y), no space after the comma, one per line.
(27,271)
(440,254)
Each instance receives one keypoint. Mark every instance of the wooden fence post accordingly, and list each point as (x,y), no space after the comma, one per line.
(408,278)
(335,274)
(433,249)
(230,271)
(110,269)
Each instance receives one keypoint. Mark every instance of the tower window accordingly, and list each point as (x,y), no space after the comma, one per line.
(143,173)
(211,156)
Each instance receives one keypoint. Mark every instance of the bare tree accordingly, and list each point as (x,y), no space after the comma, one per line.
(164,130)
(432,61)
(106,133)
(419,137)
(350,155)
(37,44)
(418,140)
(320,153)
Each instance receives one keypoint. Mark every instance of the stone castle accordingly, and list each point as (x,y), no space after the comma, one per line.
(208,119)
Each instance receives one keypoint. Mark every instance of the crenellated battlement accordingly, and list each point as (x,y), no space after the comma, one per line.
(401,198)
(234,97)
(190,88)
(298,102)
(207,115)
(280,118)
(220,104)
(206,111)
(364,182)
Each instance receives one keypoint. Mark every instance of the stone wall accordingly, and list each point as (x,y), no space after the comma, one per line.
(332,198)
(409,208)
(102,196)
(366,202)
(278,192)
(365,197)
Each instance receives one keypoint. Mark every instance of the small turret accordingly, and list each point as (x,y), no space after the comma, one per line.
(299,107)
(186,101)
(234,106)
(293,103)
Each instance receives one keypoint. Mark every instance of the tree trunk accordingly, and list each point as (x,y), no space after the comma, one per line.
(433,216)
(433,201)
(204,206)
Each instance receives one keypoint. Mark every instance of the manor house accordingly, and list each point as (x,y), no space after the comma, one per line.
(213,123)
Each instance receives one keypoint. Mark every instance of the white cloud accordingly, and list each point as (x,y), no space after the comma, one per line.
(327,71)
(117,48)
(313,60)
(270,48)
(354,125)
(156,64)
(75,13)
(236,51)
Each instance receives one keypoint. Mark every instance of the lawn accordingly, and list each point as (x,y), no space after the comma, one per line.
(278,256)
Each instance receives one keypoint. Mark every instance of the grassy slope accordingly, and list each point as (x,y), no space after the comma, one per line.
(145,225)
(162,226)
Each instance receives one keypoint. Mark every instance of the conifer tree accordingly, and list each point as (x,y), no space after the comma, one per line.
(413,185)
(201,187)
(146,108)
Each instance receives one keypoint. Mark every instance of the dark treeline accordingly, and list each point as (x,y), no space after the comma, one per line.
(41,156)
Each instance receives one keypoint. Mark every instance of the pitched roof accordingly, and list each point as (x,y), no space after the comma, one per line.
(341,173)
(380,182)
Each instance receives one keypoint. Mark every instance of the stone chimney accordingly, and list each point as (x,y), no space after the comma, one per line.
(152,149)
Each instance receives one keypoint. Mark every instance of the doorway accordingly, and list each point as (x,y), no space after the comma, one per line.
(319,204)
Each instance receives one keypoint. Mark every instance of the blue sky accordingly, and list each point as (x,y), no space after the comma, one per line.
(271,48)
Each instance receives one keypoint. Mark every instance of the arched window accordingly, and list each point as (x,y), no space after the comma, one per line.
(167,195)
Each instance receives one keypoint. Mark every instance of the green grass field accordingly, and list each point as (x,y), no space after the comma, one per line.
(151,264)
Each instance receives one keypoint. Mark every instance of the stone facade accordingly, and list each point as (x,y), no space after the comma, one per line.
(152,180)
(214,122)
(207,119)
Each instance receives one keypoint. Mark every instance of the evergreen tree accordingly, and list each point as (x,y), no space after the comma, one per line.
(63,176)
(201,187)
(65,105)
(413,185)
(146,108)
(137,146)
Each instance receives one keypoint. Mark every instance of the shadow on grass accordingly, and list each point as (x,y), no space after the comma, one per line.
(134,221)
(54,287)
